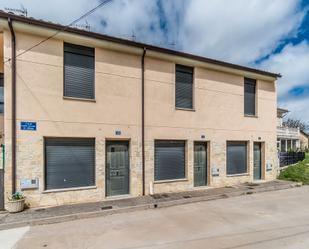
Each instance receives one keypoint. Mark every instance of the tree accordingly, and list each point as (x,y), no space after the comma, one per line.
(296,123)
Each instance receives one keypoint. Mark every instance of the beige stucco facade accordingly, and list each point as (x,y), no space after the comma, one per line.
(218,114)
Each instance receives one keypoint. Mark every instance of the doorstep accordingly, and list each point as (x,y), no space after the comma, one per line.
(41,216)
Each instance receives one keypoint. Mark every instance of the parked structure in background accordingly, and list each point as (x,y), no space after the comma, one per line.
(288,138)
(98,117)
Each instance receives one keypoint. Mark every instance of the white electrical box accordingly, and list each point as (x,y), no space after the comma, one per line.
(215,171)
(269,166)
(29,183)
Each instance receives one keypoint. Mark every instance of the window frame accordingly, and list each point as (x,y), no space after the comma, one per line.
(93,99)
(185,148)
(246,173)
(45,189)
(248,80)
(193,88)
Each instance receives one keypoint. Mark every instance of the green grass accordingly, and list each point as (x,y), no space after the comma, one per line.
(298,172)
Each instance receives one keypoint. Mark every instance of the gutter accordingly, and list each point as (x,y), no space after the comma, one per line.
(143,117)
(13,70)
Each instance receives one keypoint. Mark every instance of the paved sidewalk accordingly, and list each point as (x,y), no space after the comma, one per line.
(103,208)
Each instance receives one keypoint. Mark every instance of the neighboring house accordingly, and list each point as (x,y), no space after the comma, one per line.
(288,138)
(99,117)
(304,140)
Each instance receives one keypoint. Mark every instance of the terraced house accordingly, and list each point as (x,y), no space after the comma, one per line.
(88,117)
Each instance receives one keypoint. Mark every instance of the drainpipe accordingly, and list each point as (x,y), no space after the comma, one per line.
(143,118)
(13,70)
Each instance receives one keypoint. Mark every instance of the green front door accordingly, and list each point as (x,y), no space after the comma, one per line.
(257,164)
(200,164)
(117,168)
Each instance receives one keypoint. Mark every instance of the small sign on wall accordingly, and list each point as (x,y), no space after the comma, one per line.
(29,183)
(215,171)
(27,126)
(117,133)
(269,166)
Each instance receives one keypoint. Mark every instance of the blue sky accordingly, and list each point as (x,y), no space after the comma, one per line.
(271,35)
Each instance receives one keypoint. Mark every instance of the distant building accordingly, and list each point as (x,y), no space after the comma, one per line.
(288,138)
(304,140)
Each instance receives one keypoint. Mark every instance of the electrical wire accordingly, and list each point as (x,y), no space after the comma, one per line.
(64,28)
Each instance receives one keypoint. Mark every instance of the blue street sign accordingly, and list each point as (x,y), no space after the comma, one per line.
(28,126)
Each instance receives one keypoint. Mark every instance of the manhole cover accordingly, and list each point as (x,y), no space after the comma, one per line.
(40,210)
(106,207)
(160,196)
(253,184)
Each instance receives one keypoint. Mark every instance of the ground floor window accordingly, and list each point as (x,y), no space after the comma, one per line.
(69,162)
(169,160)
(236,158)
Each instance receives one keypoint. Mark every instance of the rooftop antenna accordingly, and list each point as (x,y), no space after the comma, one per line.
(133,37)
(172,44)
(21,11)
(84,26)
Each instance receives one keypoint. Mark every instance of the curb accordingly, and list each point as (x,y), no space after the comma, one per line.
(154,205)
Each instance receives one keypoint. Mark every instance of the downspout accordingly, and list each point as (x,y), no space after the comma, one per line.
(13,87)
(143,118)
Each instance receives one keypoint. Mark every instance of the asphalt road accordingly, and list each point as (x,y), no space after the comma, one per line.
(277,219)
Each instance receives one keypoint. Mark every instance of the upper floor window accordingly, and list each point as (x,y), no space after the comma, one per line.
(184,87)
(1,94)
(250,101)
(78,71)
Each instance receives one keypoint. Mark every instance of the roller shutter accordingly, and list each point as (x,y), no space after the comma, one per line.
(169,160)
(78,71)
(69,162)
(184,87)
(250,92)
(236,158)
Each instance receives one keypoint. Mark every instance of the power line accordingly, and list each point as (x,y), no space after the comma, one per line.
(64,28)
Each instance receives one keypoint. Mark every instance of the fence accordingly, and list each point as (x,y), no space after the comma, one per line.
(288,158)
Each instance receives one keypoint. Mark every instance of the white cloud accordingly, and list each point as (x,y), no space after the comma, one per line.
(60,11)
(239,31)
(298,107)
(293,63)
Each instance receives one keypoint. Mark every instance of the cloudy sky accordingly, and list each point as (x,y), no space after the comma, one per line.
(272,35)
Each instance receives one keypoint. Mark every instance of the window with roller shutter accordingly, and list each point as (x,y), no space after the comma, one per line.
(184,87)
(78,71)
(236,157)
(69,162)
(250,97)
(169,160)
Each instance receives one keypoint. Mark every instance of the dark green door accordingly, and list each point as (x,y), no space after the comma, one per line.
(257,162)
(200,164)
(117,168)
